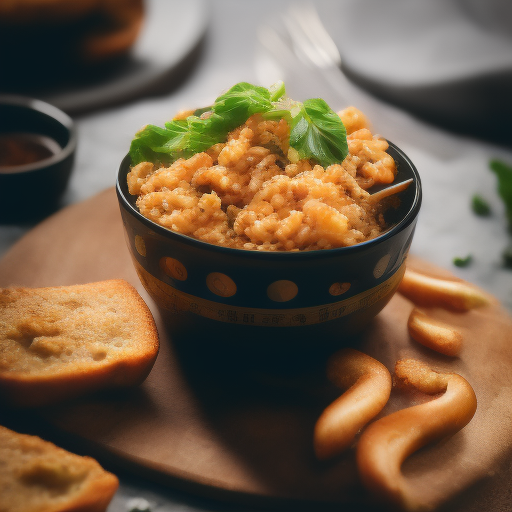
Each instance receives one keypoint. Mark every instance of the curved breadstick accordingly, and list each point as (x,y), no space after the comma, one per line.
(368,385)
(434,334)
(385,444)
(431,291)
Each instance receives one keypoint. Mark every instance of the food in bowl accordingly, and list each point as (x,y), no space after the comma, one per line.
(259,171)
(277,286)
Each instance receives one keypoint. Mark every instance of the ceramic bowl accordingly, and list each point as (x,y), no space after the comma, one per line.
(33,189)
(216,292)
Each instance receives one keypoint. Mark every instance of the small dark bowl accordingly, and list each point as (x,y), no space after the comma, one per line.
(32,190)
(270,298)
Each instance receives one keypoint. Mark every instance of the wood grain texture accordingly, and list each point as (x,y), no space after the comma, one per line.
(206,423)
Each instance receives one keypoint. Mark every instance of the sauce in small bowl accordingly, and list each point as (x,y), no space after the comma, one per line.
(37,149)
(19,149)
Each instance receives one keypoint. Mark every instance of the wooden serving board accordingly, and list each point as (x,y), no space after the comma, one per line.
(201,425)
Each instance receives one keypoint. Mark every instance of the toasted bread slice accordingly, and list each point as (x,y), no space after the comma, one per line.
(37,476)
(58,343)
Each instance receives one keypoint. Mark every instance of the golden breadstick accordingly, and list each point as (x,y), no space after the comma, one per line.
(434,334)
(385,444)
(368,385)
(432,291)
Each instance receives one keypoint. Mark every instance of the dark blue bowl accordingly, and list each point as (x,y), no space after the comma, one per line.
(270,296)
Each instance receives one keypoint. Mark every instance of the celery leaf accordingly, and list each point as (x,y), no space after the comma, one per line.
(504,174)
(317,132)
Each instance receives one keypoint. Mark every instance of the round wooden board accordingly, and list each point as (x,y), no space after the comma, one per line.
(238,436)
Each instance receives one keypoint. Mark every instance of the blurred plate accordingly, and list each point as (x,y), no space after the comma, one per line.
(172,30)
(413,44)
(448,60)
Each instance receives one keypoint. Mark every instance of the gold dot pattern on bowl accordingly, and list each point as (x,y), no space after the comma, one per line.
(221,284)
(173,268)
(381,266)
(282,291)
(339,288)
(140,246)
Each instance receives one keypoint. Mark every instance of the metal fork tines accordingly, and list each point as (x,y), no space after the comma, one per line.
(301,43)
(311,41)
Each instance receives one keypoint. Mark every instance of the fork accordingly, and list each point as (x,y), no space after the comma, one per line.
(308,41)
(305,43)
(311,41)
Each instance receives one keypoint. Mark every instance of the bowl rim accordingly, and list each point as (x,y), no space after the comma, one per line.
(39,106)
(408,218)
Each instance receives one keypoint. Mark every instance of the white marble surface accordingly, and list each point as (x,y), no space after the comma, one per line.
(452,167)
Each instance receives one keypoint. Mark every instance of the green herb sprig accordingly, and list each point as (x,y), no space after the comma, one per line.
(507,256)
(480,206)
(504,174)
(316,131)
(462,262)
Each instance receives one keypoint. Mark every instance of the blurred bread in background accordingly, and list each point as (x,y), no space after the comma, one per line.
(47,41)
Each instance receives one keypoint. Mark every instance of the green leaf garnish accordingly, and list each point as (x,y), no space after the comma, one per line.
(240,102)
(277,91)
(462,262)
(183,138)
(480,206)
(507,256)
(504,174)
(316,131)
(153,143)
(198,112)
(204,133)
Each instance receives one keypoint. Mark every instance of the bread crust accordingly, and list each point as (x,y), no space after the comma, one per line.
(32,376)
(38,476)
